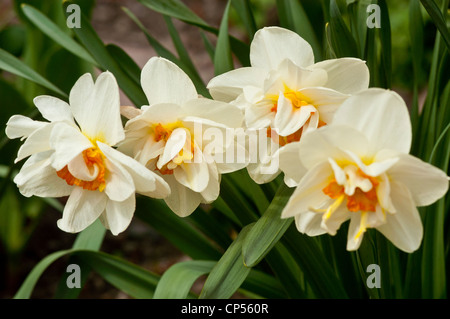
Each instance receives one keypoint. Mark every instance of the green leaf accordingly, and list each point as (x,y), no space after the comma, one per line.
(125,276)
(89,239)
(244,10)
(178,10)
(177,281)
(11,64)
(438,19)
(229,272)
(127,64)
(223,60)
(318,271)
(177,230)
(342,41)
(263,285)
(268,229)
(91,41)
(54,32)
(386,46)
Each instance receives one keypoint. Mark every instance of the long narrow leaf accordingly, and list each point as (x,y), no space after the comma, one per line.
(11,64)
(177,281)
(229,272)
(223,60)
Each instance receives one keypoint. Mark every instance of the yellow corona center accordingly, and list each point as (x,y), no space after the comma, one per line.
(360,200)
(92,157)
(163,132)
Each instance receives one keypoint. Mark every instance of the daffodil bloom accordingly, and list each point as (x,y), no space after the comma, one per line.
(169,136)
(284,91)
(72,155)
(359,169)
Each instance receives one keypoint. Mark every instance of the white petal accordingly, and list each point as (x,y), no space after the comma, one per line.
(325,100)
(96,107)
(309,223)
(216,111)
(228,86)
(163,113)
(119,183)
(164,82)
(37,141)
(290,119)
(346,75)
(68,142)
(329,142)
(182,200)
(259,115)
(145,181)
(290,164)
(425,182)
(212,191)
(194,175)
(384,194)
(381,115)
(118,215)
(82,208)
(296,77)
(332,224)
(353,238)
(404,228)
(309,195)
(78,168)
(271,45)
(173,146)
(38,178)
(22,126)
(53,109)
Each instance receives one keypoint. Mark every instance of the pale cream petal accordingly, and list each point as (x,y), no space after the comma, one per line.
(163,113)
(68,142)
(290,119)
(325,100)
(145,181)
(296,77)
(82,208)
(78,168)
(38,178)
(212,191)
(271,45)
(164,82)
(330,142)
(404,228)
(381,115)
(118,215)
(346,75)
(22,126)
(290,165)
(309,195)
(53,109)
(194,175)
(259,115)
(337,218)
(425,182)
(96,108)
(119,183)
(216,111)
(182,200)
(37,141)
(355,233)
(173,146)
(228,86)
(309,223)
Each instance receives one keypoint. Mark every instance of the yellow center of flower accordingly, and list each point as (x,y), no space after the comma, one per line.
(357,200)
(93,159)
(163,132)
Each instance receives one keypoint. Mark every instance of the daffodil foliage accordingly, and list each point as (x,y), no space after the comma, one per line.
(289,173)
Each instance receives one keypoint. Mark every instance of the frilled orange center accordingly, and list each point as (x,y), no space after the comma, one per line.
(163,133)
(360,200)
(92,157)
(294,137)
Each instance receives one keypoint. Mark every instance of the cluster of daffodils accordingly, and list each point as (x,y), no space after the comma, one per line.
(342,145)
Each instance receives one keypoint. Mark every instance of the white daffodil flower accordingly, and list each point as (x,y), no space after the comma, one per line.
(76,159)
(284,91)
(181,136)
(359,169)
